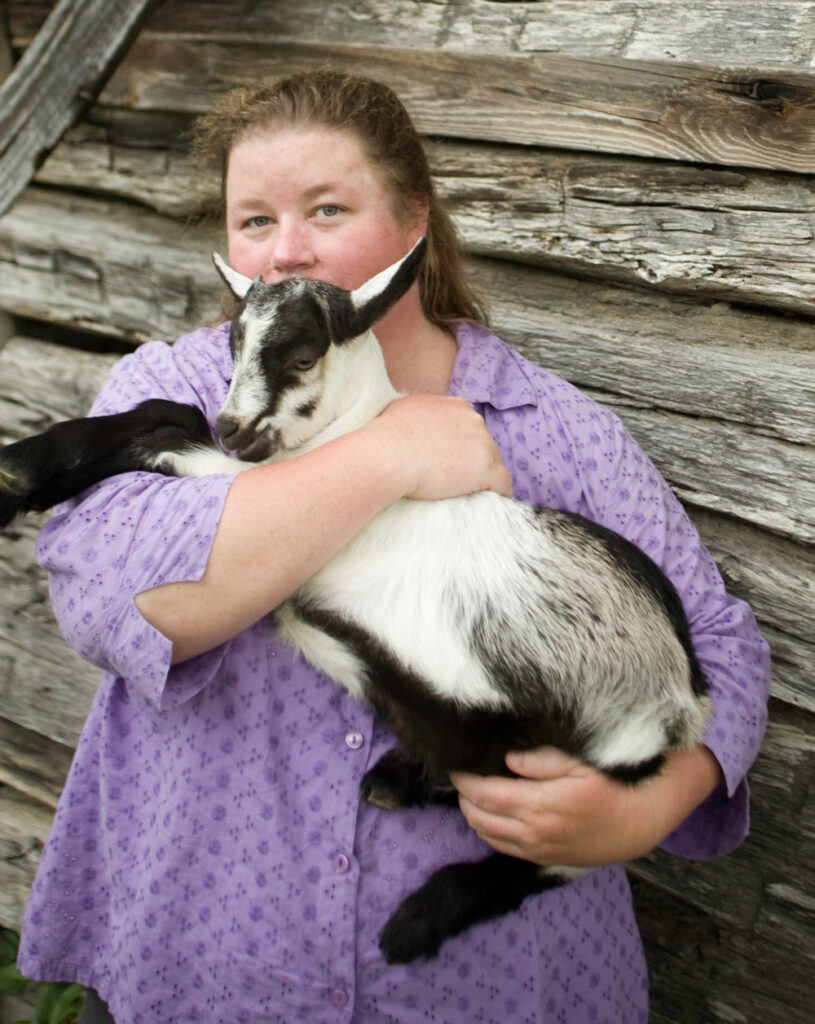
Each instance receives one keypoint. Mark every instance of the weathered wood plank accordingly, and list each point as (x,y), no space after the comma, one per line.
(129,154)
(56,79)
(778,575)
(24,828)
(706,360)
(716,233)
(740,32)
(105,267)
(720,934)
(793,658)
(32,764)
(671,111)
(746,236)
(701,970)
(43,383)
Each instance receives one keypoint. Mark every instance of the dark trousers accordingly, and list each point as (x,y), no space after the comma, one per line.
(94,1011)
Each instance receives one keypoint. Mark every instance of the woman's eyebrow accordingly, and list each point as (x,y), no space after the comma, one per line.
(248,203)
(252,202)
(317,190)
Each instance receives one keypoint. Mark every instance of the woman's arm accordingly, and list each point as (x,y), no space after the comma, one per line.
(561,811)
(282,523)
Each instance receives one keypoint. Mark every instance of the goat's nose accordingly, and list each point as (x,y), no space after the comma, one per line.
(229,431)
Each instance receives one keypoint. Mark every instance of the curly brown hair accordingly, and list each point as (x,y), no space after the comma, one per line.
(377,118)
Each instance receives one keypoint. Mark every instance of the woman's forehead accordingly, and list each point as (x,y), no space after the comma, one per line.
(311,160)
(279,143)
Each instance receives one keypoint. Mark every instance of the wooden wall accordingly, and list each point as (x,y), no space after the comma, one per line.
(633,180)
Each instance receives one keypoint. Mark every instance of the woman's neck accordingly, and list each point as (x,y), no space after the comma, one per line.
(418,354)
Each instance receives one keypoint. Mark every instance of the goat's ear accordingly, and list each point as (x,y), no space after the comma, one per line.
(237,283)
(372,300)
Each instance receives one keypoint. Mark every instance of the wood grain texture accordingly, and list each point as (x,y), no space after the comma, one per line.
(739,32)
(56,79)
(712,232)
(720,935)
(107,267)
(32,764)
(665,110)
(24,827)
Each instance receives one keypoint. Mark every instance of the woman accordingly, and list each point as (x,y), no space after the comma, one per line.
(210,859)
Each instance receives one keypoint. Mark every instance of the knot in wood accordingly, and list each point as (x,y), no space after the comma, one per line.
(780,98)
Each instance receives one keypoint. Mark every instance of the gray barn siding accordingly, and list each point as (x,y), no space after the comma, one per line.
(633,181)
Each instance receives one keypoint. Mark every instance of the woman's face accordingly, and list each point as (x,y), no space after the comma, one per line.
(307,201)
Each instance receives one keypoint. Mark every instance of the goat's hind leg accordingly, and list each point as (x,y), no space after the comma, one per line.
(399,779)
(457,897)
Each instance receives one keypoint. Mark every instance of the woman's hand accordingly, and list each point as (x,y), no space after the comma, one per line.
(562,811)
(440,447)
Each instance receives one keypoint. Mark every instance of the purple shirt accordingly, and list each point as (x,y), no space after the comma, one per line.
(210,859)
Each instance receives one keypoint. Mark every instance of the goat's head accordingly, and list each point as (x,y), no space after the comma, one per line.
(290,342)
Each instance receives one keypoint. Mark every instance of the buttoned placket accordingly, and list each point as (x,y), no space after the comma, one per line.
(339,995)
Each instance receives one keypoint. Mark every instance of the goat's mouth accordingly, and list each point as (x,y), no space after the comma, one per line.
(261,447)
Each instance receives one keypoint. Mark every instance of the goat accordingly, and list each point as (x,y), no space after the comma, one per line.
(475,625)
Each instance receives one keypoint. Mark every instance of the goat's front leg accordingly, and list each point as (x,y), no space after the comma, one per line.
(41,471)
(400,779)
(457,897)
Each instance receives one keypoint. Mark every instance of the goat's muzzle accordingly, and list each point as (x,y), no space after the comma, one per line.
(245,440)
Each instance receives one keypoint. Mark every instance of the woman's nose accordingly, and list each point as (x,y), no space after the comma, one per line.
(292,249)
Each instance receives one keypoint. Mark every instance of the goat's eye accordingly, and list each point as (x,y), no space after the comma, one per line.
(301,365)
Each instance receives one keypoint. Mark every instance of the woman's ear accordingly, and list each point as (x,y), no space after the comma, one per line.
(417,214)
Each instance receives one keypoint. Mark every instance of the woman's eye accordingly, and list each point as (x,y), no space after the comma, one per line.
(257,222)
(329,210)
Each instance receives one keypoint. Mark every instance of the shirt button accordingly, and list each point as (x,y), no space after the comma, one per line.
(339,997)
(341,863)
(354,740)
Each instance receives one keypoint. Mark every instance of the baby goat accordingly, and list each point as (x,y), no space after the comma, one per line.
(476,625)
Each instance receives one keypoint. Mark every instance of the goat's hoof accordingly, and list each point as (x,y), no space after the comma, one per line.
(413,932)
(397,780)
(379,792)
(13,482)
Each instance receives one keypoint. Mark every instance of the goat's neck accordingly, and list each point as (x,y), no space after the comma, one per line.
(358,389)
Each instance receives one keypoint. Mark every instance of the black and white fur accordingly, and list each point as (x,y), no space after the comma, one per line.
(476,625)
